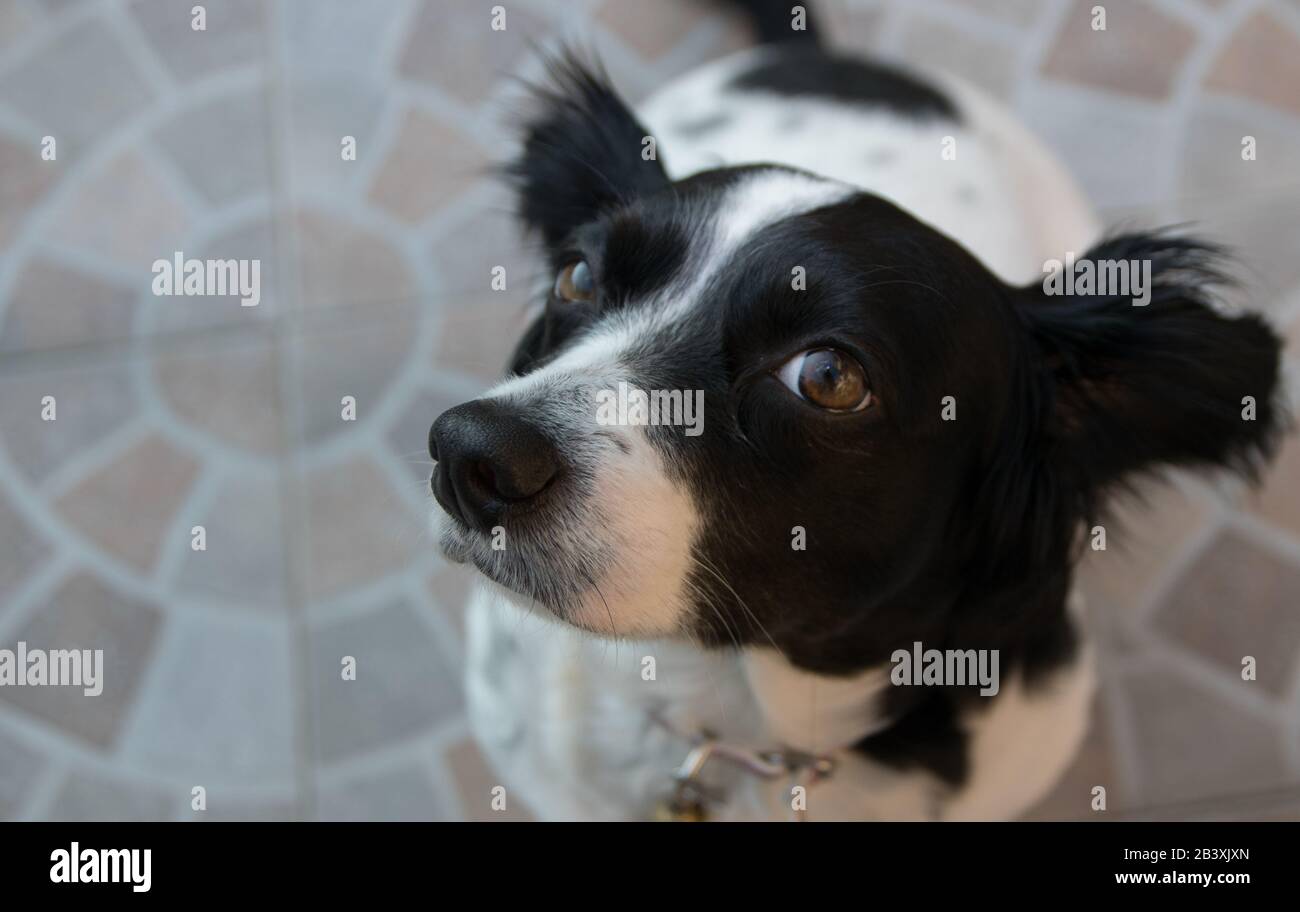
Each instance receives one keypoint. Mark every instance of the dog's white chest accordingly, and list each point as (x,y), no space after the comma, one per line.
(570,721)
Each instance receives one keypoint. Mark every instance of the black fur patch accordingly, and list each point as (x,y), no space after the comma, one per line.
(927,736)
(582,152)
(800,71)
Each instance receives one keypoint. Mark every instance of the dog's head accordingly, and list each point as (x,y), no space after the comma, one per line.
(863,435)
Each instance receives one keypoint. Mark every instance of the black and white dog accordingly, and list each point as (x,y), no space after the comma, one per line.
(903,437)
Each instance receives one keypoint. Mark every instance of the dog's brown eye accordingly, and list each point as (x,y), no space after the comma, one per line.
(829,379)
(574,283)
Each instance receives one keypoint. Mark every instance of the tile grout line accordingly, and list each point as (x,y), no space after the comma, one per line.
(44,34)
(290,499)
(1042,32)
(149,66)
(387,124)
(1117,717)
(1190,91)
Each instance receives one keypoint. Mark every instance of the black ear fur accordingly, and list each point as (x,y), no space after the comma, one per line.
(1130,387)
(1104,390)
(582,152)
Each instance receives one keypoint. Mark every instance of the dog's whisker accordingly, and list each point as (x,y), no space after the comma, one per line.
(703,562)
(708,601)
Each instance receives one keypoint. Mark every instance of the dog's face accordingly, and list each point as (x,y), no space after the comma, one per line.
(860,426)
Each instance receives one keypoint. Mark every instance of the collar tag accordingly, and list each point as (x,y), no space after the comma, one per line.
(690,797)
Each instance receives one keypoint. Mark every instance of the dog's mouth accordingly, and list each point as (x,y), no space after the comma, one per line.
(543,565)
(465,545)
(575,565)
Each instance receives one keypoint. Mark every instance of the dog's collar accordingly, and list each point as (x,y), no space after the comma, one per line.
(808,715)
(689,797)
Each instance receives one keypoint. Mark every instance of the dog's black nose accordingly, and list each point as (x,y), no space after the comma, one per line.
(488,458)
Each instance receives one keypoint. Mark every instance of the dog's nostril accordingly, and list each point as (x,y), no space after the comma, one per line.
(518,480)
(480,473)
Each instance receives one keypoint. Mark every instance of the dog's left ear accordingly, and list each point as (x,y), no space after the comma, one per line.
(1173,381)
(583,152)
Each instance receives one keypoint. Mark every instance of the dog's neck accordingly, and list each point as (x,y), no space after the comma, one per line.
(812,712)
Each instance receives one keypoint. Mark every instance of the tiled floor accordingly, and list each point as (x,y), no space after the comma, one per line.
(177,412)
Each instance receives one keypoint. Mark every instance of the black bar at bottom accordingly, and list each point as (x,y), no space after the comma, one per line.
(332,861)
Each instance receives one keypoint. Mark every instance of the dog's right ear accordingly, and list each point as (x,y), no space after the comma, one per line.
(584,151)
(1173,383)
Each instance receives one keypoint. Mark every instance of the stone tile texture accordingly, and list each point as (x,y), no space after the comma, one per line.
(223,664)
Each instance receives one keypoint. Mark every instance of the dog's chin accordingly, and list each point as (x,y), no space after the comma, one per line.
(555,582)
(468,546)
